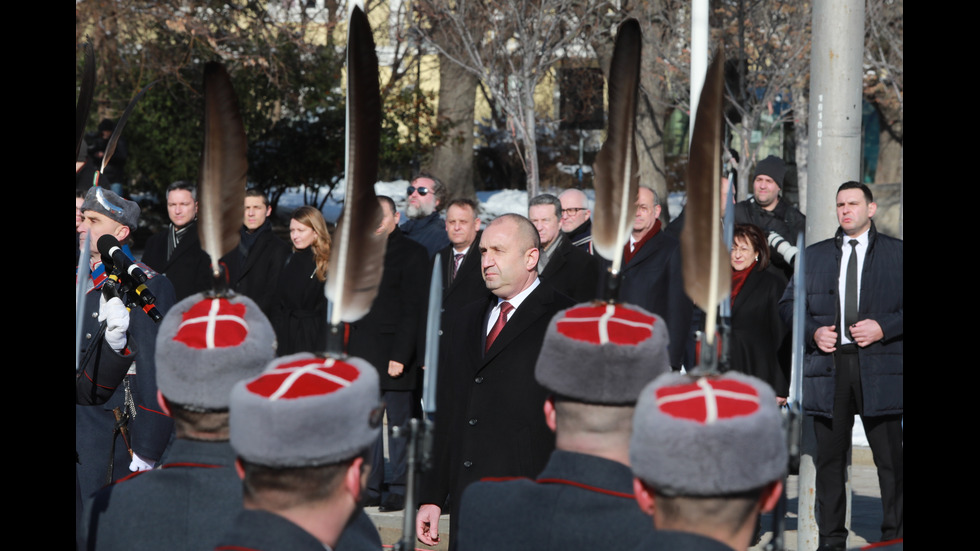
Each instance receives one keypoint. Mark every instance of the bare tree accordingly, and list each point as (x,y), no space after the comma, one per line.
(510,45)
(883,57)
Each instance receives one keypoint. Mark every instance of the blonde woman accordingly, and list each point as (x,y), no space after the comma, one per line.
(301,318)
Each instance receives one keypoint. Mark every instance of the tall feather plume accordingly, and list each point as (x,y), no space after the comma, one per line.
(357,255)
(616,167)
(706,265)
(85,93)
(110,147)
(223,167)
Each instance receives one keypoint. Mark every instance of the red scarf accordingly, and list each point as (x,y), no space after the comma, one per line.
(738,280)
(628,255)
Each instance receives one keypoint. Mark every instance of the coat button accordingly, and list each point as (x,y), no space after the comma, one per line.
(88,335)
(473,422)
(95,314)
(467,464)
(478,380)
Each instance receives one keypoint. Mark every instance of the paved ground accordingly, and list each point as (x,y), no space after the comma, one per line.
(865,517)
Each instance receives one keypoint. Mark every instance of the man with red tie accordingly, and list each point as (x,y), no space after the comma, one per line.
(491,423)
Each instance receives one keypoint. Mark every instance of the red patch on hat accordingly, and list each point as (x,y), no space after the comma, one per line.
(304,378)
(213,323)
(622,325)
(708,400)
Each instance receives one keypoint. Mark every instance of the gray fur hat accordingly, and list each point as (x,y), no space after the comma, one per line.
(305,411)
(602,353)
(205,345)
(106,202)
(707,436)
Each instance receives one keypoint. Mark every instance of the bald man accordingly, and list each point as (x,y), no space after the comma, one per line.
(491,425)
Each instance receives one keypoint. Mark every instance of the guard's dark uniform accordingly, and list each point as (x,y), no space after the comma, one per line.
(579,501)
(664,540)
(188,503)
(150,429)
(264,531)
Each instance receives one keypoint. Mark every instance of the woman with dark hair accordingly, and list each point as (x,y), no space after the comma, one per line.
(301,317)
(757,330)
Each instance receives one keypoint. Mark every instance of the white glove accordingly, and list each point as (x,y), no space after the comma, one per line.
(138,463)
(116,316)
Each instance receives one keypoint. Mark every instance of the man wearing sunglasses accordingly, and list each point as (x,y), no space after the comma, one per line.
(424,225)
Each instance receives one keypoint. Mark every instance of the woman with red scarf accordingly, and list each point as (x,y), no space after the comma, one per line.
(757,331)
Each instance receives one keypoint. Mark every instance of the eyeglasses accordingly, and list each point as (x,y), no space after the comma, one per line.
(572,211)
(423,191)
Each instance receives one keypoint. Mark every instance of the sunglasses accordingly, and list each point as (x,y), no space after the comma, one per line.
(423,191)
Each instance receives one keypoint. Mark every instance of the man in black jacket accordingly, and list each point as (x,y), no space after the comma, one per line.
(567,268)
(255,264)
(176,251)
(854,362)
(390,338)
(779,220)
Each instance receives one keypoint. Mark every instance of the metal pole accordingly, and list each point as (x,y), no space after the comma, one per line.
(834,157)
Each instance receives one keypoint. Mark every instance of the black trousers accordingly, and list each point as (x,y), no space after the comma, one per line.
(398,406)
(833,437)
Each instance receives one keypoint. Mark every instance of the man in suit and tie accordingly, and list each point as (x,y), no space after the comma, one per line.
(462,282)
(855,339)
(569,269)
(492,424)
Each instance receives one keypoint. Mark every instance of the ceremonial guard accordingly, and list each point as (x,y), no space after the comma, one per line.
(129,431)
(709,456)
(302,430)
(205,346)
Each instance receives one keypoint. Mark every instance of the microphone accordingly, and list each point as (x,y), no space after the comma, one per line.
(109,248)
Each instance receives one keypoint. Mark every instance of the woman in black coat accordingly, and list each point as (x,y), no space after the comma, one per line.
(300,320)
(757,330)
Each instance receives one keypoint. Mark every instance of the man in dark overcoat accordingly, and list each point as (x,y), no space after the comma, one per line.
(854,358)
(567,268)
(390,338)
(492,425)
(176,251)
(255,264)
(462,281)
(652,276)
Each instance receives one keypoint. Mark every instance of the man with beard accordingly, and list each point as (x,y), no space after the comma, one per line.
(425,196)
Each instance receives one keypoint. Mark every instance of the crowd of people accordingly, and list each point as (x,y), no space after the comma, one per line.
(562,420)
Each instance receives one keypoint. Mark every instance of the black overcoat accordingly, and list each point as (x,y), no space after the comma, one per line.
(758,331)
(572,272)
(189,268)
(394,328)
(490,420)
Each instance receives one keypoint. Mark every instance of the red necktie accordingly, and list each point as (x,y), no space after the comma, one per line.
(505,309)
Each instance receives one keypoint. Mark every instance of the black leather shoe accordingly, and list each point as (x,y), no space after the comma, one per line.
(393,502)
(839,546)
(370,501)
